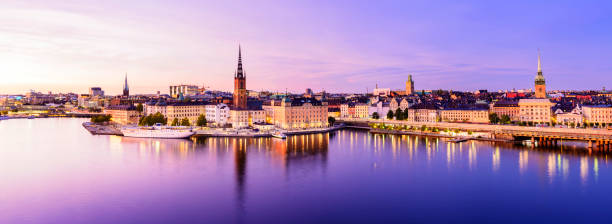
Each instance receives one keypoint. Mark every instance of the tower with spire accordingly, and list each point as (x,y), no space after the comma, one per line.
(540,82)
(409,86)
(240,92)
(126,89)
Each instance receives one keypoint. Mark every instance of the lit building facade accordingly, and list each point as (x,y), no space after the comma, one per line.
(299,113)
(178,110)
(535,110)
(465,115)
(409,86)
(597,114)
(506,107)
(123,114)
(217,114)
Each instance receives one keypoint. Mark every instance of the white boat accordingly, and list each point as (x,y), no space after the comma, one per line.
(158,131)
(279,135)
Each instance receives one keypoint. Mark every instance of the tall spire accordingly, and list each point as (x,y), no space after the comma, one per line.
(126,88)
(539,62)
(239,71)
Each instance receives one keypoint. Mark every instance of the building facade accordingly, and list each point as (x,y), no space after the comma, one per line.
(299,113)
(217,114)
(506,107)
(185,90)
(535,110)
(123,114)
(465,115)
(178,110)
(597,114)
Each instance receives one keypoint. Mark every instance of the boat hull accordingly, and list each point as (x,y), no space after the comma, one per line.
(157,134)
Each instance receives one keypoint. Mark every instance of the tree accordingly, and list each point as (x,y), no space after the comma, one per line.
(399,114)
(152,119)
(4,112)
(505,119)
(331,120)
(175,122)
(185,122)
(493,118)
(375,115)
(390,115)
(139,108)
(406,114)
(15,110)
(201,120)
(101,118)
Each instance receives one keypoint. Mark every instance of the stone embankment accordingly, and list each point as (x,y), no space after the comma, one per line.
(102,129)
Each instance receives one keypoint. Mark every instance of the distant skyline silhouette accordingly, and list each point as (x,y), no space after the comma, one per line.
(337,46)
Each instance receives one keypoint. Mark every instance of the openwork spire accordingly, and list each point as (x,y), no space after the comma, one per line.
(239,72)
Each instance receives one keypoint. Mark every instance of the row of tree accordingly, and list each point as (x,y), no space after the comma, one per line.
(495,119)
(152,119)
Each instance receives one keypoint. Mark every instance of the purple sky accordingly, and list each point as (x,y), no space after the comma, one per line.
(339,46)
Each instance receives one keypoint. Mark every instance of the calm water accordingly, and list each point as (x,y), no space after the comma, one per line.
(53,171)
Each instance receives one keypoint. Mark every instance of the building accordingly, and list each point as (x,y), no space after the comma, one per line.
(240,92)
(126,88)
(217,114)
(423,112)
(540,83)
(409,86)
(246,118)
(184,90)
(178,110)
(123,114)
(298,113)
(506,107)
(354,110)
(471,115)
(535,110)
(597,114)
(380,107)
(381,91)
(96,91)
(241,114)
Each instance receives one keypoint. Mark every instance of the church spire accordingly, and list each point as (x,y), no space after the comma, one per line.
(239,72)
(539,62)
(126,88)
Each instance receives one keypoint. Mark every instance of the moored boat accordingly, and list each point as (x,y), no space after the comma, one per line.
(158,131)
(279,135)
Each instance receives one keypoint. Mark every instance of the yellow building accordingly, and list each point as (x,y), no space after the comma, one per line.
(465,115)
(597,114)
(506,107)
(123,114)
(178,110)
(297,113)
(535,110)
(246,118)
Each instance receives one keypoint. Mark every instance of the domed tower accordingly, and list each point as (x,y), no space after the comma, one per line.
(240,92)
(540,82)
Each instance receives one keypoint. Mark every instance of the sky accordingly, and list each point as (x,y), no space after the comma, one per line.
(337,46)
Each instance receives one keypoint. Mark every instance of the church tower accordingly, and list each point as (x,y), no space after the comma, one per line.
(126,89)
(240,92)
(409,86)
(540,83)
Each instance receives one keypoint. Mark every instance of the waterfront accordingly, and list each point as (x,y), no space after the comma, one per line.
(54,171)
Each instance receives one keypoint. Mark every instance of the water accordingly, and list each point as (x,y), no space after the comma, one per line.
(53,171)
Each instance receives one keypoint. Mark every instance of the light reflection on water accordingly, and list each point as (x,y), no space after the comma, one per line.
(69,175)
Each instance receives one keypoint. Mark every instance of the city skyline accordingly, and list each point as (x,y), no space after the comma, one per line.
(69,47)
